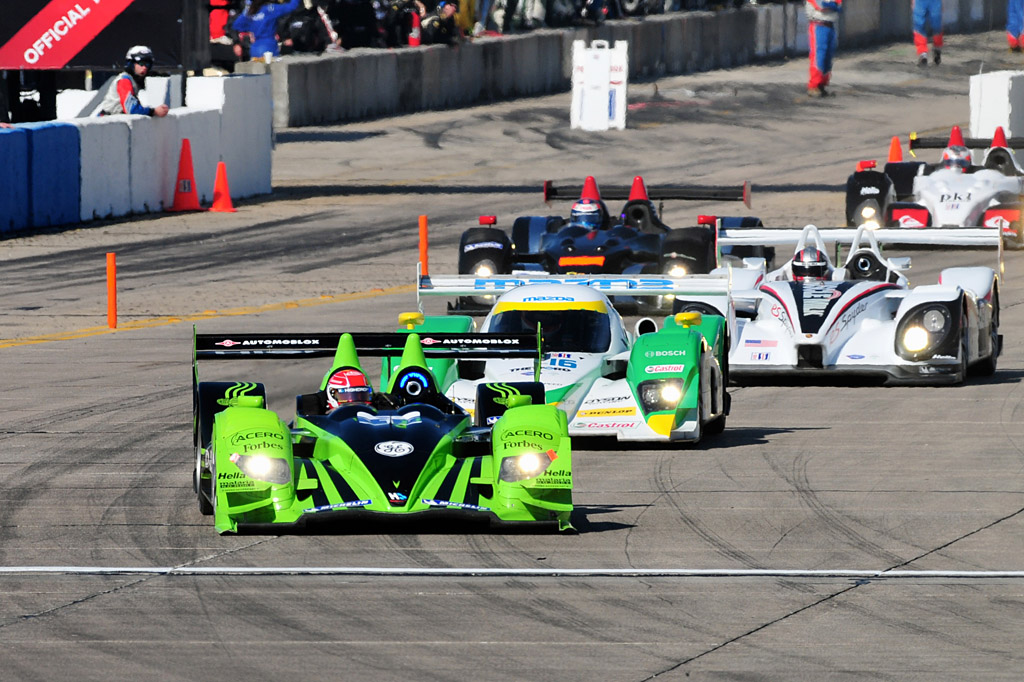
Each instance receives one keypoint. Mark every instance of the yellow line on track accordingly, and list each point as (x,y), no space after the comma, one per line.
(205,315)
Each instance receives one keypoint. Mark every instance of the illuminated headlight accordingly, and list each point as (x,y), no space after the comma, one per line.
(868,212)
(915,339)
(525,466)
(676,270)
(262,468)
(871,224)
(926,332)
(658,395)
(483,270)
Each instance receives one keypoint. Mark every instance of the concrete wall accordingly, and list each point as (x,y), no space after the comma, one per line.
(93,168)
(362,83)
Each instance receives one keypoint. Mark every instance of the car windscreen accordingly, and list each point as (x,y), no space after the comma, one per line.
(580,331)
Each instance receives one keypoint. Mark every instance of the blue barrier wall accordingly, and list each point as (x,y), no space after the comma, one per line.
(54,171)
(13,180)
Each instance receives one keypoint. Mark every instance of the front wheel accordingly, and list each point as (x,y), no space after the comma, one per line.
(205,505)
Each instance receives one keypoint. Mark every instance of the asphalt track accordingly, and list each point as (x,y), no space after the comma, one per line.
(834,532)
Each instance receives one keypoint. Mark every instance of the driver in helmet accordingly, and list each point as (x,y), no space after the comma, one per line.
(347,385)
(591,214)
(811,264)
(957,159)
(123,97)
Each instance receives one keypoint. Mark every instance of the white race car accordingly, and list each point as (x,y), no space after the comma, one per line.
(862,318)
(952,193)
(647,384)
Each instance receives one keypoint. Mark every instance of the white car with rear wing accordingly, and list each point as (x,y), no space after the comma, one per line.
(654,383)
(863,317)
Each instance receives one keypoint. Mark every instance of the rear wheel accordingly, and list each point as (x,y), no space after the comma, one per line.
(987,367)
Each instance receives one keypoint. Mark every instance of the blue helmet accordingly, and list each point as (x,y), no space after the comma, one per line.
(588,213)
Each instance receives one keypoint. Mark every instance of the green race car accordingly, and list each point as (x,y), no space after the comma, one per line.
(407,451)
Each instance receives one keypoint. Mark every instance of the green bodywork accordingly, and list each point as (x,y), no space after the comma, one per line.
(359,463)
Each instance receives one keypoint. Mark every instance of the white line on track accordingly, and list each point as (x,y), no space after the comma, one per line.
(505,572)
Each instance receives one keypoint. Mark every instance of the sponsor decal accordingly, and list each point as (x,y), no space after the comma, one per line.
(605,425)
(566,299)
(492,420)
(609,412)
(397,497)
(761,357)
(282,342)
(60,30)
(954,198)
(481,341)
(551,480)
(663,353)
(227,343)
(610,399)
(339,505)
(761,343)
(847,319)
(657,369)
(509,444)
(530,432)
(393,448)
(460,505)
(855,357)
(869,190)
(482,245)
(237,481)
(246,436)
(816,297)
(908,221)
(779,312)
(602,284)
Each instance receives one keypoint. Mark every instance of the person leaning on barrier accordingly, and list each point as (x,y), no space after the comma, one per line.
(439,26)
(123,97)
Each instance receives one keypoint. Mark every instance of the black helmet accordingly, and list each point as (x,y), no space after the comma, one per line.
(810,263)
(140,54)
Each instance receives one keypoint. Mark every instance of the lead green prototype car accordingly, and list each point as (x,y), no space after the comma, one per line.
(409,451)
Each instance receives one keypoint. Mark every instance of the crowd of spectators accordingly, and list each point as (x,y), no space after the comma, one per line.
(255,29)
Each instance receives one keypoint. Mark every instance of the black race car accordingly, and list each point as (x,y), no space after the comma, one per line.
(634,242)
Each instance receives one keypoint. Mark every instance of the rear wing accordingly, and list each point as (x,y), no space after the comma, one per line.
(924,236)
(714,290)
(611,285)
(298,345)
(680,192)
(971,142)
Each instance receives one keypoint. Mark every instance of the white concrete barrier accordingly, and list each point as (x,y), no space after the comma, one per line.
(997,99)
(106,180)
(154,149)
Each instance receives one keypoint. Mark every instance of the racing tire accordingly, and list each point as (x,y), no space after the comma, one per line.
(987,366)
(484,245)
(205,505)
(717,425)
(961,373)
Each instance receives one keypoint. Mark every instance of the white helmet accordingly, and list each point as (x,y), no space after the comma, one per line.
(957,158)
(140,54)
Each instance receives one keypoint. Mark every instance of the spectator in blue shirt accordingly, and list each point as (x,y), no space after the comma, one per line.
(259,18)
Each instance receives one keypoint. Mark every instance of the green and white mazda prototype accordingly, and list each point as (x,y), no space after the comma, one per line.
(658,382)
(405,451)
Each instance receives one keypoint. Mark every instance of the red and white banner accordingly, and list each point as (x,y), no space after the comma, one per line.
(58,32)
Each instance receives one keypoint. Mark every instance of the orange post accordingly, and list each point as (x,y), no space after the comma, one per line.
(112,290)
(424,244)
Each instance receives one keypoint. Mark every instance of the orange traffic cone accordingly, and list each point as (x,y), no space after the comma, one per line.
(221,193)
(185,196)
(895,150)
(414,33)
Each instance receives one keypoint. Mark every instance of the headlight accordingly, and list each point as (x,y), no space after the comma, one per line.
(926,332)
(262,468)
(525,466)
(659,395)
(871,224)
(676,270)
(868,212)
(483,270)
(915,339)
